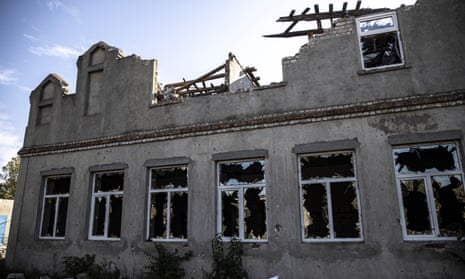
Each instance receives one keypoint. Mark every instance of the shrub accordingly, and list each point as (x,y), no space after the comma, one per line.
(229,265)
(166,264)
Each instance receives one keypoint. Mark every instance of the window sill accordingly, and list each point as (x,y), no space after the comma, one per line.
(384,69)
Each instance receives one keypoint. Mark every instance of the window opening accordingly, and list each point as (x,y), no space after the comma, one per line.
(55,207)
(168,200)
(430,185)
(242,200)
(329,197)
(107,205)
(379,39)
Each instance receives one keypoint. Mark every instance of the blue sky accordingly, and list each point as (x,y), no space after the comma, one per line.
(188,38)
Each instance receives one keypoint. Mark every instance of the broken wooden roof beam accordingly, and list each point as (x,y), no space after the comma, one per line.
(317,17)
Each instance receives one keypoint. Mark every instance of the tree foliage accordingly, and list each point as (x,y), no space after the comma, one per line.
(8,179)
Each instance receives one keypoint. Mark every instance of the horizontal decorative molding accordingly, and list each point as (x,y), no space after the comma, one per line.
(363,109)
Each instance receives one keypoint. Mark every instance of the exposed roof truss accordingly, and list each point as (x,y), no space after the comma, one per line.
(318,17)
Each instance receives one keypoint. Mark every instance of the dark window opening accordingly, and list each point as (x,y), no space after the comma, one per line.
(450,204)
(239,173)
(55,207)
(243,199)
(327,165)
(255,219)
(230,213)
(416,211)
(426,158)
(316,211)
(430,178)
(107,205)
(330,209)
(345,210)
(380,50)
(168,203)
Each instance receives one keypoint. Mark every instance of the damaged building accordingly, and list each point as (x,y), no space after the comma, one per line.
(351,167)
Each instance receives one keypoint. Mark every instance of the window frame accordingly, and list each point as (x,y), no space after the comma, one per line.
(107,195)
(394,28)
(57,197)
(430,199)
(327,182)
(168,192)
(240,188)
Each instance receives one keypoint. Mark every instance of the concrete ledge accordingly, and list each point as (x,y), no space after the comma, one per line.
(167,162)
(313,115)
(326,146)
(425,137)
(238,155)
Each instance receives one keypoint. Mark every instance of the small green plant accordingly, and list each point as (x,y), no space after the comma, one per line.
(226,265)
(86,264)
(166,264)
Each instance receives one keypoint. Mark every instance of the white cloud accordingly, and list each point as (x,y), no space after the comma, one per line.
(72,11)
(55,50)
(54,5)
(7,76)
(32,38)
(9,142)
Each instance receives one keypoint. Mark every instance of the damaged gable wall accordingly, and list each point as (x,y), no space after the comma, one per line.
(274,139)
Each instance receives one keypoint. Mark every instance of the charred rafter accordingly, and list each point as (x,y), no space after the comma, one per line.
(214,81)
(318,17)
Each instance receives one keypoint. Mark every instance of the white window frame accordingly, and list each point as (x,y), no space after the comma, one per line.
(395,28)
(168,204)
(107,196)
(58,197)
(240,188)
(426,177)
(327,182)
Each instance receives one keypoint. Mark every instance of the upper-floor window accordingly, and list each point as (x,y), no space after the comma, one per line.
(107,205)
(167,216)
(242,199)
(329,197)
(55,207)
(431,192)
(380,44)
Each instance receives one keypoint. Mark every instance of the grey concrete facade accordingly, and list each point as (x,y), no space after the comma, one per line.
(325,103)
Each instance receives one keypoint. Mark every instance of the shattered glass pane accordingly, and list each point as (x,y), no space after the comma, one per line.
(416,211)
(450,204)
(107,182)
(380,50)
(116,208)
(315,209)
(158,215)
(178,222)
(430,158)
(241,173)
(230,213)
(327,166)
(98,228)
(376,24)
(61,218)
(345,210)
(48,217)
(58,185)
(166,178)
(254,213)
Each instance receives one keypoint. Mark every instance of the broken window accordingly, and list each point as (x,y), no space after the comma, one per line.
(242,200)
(432,198)
(55,207)
(379,39)
(168,203)
(107,205)
(329,192)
